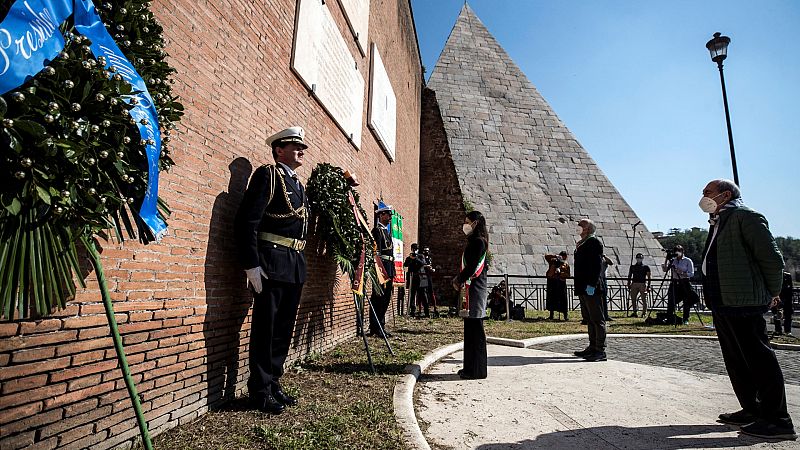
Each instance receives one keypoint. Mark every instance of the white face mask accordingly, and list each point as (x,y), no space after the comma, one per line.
(708,205)
(467,228)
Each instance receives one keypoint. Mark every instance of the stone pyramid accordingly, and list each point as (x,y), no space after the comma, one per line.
(518,164)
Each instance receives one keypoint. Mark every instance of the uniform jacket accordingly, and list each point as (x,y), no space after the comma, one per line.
(385,248)
(266,197)
(588,264)
(744,265)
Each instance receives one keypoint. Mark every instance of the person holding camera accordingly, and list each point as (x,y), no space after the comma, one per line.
(419,270)
(639,284)
(680,287)
(743,277)
(426,282)
(557,274)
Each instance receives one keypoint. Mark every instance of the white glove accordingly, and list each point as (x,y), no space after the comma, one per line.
(254,277)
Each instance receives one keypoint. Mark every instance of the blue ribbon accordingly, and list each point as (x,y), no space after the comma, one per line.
(30,39)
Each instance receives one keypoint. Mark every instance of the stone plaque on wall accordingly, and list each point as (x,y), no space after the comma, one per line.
(357,14)
(323,62)
(382,105)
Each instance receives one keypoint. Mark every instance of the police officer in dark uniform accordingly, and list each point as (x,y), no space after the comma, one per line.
(270,230)
(380,303)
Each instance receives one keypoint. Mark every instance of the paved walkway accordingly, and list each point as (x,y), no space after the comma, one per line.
(653,393)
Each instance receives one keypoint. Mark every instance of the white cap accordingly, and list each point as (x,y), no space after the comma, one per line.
(292,134)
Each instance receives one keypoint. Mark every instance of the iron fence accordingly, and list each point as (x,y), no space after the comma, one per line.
(530,291)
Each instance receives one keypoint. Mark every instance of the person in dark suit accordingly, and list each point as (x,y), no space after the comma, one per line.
(413,264)
(588,263)
(473,279)
(270,229)
(380,302)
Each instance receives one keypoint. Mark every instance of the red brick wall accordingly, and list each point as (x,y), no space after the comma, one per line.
(182,304)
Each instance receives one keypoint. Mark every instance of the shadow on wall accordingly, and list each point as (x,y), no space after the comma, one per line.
(614,437)
(316,312)
(228,300)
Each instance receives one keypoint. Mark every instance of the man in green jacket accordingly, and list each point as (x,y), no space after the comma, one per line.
(743,275)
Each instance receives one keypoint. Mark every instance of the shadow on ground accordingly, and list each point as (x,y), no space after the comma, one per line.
(614,437)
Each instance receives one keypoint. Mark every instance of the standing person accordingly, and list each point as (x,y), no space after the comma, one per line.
(680,287)
(557,274)
(743,277)
(270,229)
(588,261)
(426,281)
(413,264)
(380,302)
(784,309)
(639,284)
(474,280)
(604,265)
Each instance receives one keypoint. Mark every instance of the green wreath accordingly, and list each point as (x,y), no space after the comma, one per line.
(73,162)
(340,234)
(74,166)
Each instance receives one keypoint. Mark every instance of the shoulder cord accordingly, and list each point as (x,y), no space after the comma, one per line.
(299,213)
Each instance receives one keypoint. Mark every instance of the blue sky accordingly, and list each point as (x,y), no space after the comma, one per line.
(635,84)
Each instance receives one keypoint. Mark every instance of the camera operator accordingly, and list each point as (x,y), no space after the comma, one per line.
(680,289)
(426,281)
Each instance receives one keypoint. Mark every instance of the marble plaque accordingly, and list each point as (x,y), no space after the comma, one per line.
(323,62)
(357,14)
(382,105)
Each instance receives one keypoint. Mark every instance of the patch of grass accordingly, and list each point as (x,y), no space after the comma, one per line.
(342,405)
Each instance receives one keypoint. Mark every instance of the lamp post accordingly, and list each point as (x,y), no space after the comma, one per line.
(718,47)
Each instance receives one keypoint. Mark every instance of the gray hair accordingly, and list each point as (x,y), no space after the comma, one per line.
(728,185)
(588,224)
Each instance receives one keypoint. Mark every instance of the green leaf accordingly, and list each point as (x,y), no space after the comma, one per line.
(32,129)
(13,141)
(43,194)
(13,206)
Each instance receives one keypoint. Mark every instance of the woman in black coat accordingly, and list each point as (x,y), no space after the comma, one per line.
(473,278)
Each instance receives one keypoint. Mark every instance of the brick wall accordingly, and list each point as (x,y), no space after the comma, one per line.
(182,305)
(441,215)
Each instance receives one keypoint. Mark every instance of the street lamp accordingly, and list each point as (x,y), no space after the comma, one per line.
(718,47)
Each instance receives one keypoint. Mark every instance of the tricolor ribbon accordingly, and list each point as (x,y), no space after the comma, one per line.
(30,39)
(478,271)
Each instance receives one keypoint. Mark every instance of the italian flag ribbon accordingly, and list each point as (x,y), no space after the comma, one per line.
(478,271)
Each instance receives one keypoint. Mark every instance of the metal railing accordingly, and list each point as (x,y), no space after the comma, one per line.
(530,292)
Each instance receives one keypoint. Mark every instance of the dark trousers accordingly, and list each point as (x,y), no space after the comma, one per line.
(274,314)
(380,304)
(418,299)
(787,309)
(752,367)
(474,348)
(681,291)
(592,312)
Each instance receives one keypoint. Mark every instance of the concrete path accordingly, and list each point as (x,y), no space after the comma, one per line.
(543,399)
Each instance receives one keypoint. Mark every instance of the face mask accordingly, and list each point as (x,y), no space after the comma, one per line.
(679,254)
(467,228)
(708,205)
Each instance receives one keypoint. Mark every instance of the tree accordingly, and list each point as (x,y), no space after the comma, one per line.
(790,247)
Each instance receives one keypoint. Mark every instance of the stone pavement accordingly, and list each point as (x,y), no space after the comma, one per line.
(702,355)
(544,399)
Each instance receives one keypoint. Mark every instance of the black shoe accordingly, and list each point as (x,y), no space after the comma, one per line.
(464,376)
(740,417)
(597,356)
(584,352)
(770,430)
(283,397)
(267,404)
